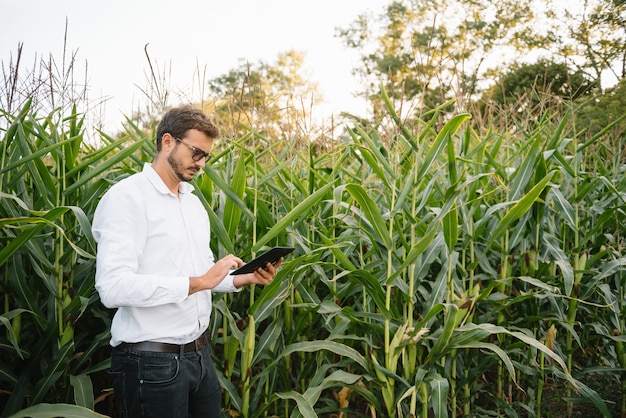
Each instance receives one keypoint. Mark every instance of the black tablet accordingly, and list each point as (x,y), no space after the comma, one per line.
(270,256)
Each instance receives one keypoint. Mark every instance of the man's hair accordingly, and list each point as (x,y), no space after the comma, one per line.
(179,120)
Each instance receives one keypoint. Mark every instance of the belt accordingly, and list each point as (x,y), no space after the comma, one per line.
(157,347)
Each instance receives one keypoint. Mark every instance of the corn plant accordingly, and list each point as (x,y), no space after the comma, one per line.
(46,259)
(440,269)
(385,225)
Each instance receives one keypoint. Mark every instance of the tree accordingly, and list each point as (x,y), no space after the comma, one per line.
(608,108)
(591,34)
(433,50)
(428,52)
(527,85)
(525,94)
(270,99)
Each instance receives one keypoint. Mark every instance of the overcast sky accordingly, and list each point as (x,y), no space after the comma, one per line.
(184,35)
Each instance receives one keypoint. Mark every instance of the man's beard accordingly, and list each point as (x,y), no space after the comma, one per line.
(179,169)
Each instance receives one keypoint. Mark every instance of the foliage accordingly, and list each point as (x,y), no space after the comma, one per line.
(268,96)
(453,264)
(437,271)
(552,91)
(47,260)
(56,410)
(429,52)
(607,109)
(430,256)
(538,80)
(591,34)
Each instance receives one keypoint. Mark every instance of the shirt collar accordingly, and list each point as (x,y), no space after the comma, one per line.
(159,184)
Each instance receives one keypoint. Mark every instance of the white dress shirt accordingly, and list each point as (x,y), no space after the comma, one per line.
(149,243)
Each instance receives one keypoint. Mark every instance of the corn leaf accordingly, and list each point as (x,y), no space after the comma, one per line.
(520,207)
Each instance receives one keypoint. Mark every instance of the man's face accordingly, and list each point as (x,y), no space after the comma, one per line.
(190,154)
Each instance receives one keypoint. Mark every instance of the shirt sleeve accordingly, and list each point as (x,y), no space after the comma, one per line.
(227,285)
(120,228)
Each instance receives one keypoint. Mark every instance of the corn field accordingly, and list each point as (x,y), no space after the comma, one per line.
(440,270)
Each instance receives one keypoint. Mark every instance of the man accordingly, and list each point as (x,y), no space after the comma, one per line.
(155,266)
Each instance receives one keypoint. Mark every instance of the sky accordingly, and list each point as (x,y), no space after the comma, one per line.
(108,37)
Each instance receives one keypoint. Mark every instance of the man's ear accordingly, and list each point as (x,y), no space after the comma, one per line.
(167,141)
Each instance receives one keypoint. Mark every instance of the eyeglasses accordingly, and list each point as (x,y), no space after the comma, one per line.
(198,154)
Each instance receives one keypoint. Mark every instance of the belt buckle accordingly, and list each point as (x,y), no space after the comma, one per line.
(200,342)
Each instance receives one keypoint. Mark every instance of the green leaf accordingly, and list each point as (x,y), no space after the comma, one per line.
(335,248)
(380,164)
(304,407)
(506,360)
(230,389)
(45,410)
(300,210)
(416,250)
(315,346)
(96,156)
(83,390)
(451,227)
(54,371)
(520,207)
(37,155)
(373,289)
(336,378)
(232,212)
(36,224)
(439,388)
(563,207)
(530,341)
(5,319)
(221,184)
(525,171)
(268,341)
(273,294)
(440,142)
(372,213)
(452,320)
(103,167)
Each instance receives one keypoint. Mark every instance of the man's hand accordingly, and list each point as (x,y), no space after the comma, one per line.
(215,275)
(261,276)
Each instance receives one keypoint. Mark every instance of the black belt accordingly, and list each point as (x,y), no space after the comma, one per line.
(156,347)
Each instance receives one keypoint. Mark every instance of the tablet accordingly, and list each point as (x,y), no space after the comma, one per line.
(270,256)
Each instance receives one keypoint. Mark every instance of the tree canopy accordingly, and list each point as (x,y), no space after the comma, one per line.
(265,97)
(427,52)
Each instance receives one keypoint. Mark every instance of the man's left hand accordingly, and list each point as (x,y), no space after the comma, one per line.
(261,276)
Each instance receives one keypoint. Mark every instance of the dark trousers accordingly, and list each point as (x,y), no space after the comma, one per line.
(167,385)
